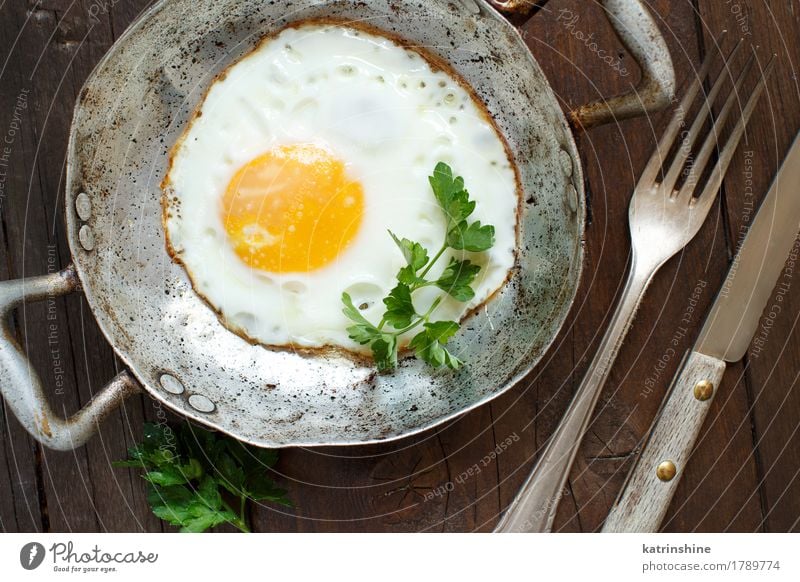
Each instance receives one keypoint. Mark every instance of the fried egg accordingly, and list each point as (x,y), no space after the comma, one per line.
(302,156)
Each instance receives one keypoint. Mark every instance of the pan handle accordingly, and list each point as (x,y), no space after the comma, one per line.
(21,386)
(641,37)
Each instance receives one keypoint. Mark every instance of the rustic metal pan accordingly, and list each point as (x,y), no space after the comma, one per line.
(133,108)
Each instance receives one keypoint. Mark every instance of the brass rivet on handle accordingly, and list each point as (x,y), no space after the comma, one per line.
(703,390)
(666,471)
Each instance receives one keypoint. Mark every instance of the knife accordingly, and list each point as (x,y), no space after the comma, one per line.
(726,335)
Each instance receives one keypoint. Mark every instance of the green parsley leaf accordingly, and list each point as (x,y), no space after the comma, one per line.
(416,257)
(443,184)
(190,474)
(176,496)
(441,331)
(175,474)
(193,510)
(429,344)
(457,278)
(453,198)
(261,491)
(352,312)
(384,352)
(230,472)
(415,254)
(399,307)
(471,237)
(363,333)
(264,457)
(408,276)
(459,207)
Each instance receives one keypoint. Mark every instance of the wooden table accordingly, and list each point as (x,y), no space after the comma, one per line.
(744,473)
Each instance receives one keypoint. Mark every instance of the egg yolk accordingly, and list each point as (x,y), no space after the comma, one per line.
(292,209)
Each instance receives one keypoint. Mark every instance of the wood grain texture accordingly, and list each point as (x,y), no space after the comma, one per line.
(743,475)
(770,370)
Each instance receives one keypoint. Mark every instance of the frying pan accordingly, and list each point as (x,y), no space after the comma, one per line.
(134,107)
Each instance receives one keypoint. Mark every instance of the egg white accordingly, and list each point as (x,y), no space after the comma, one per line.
(385,112)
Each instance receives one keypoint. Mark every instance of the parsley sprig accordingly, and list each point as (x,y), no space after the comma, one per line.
(198,479)
(401,315)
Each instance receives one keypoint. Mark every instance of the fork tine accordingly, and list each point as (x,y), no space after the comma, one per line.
(698,165)
(685,150)
(724,161)
(668,138)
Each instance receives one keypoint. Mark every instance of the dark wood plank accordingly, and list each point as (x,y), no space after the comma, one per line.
(387,487)
(34,244)
(59,45)
(614,157)
(20,506)
(773,364)
(28,508)
(472,447)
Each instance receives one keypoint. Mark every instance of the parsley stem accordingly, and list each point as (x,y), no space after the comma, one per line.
(433,260)
(241,507)
(434,305)
(239,522)
(422,319)
(410,327)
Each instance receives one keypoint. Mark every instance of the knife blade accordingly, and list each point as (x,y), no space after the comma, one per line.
(726,335)
(734,317)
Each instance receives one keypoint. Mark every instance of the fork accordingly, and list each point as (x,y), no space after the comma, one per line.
(663,217)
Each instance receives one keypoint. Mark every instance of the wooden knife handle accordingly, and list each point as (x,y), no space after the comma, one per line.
(649,488)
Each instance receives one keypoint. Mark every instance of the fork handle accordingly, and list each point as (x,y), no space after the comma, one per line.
(534,508)
(651,483)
